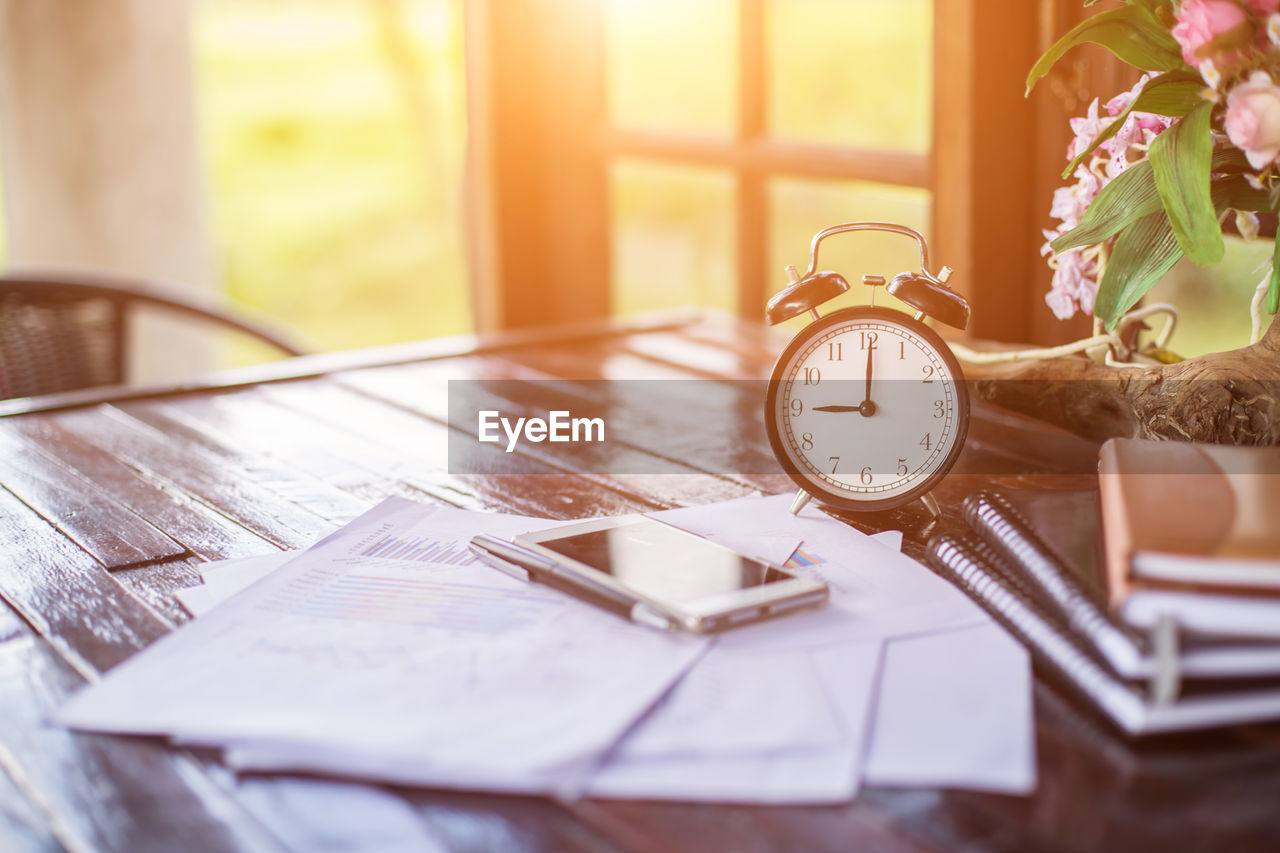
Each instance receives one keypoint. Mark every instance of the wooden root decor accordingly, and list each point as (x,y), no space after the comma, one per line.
(1225,397)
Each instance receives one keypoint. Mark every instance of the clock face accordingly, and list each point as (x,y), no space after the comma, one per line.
(867,408)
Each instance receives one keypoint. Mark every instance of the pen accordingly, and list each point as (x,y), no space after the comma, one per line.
(509,558)
(525,564)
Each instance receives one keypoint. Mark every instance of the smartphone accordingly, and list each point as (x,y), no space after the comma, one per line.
(662,574)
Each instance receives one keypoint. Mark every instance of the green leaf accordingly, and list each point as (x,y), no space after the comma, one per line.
(1232,192)
(1133,33)
(1174,93)
(1181,158)
(1133,195)
(1142,254)
(1129,197)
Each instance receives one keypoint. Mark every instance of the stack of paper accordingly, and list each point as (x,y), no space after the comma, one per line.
(387,652)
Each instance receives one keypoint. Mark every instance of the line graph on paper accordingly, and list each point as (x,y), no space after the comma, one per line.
(391,598)
(421,549)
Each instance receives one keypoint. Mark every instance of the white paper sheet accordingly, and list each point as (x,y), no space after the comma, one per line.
(319,814)
(735,703)
(772,549)
(452,667)
(224,578)
(844,677)
(891,539)
(954,709)
(705,743)
(875,592)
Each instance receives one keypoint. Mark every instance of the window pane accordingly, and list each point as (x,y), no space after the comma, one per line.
(672,238)
(673,64)
(852,73)
(800,209)
(333,136)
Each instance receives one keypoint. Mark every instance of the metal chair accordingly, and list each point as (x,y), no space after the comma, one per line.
(65,331)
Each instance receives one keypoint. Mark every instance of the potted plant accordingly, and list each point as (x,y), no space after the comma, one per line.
(1156,174)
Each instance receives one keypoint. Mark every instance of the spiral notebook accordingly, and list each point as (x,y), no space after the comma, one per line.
(1142,681)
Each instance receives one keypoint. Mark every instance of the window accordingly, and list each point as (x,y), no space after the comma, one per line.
(685,152)
(722,135)
(621,155)
(759,122)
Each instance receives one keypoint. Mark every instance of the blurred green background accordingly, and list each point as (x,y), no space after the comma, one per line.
(333,135)
(334,138)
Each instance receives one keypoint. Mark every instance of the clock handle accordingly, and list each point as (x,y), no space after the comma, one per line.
(871,226)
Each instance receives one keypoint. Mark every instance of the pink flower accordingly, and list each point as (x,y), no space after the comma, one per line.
(1086,128)
(1262,8)
(1253,119)
(1201,21)
(1060,303)
(1076,271)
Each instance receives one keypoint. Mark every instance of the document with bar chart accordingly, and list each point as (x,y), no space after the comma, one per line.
(383,640)
(222,579)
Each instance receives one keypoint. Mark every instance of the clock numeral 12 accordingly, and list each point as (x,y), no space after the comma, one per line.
(867,339)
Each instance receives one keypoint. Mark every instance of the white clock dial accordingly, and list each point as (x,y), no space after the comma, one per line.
(868,408)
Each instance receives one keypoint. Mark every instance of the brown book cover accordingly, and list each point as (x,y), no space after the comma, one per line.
(1190,516)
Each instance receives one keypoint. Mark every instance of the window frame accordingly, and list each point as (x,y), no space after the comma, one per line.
(540,148)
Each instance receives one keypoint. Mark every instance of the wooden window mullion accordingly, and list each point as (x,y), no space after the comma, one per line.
(753,213)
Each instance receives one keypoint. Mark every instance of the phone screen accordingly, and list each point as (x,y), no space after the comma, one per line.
(665,563)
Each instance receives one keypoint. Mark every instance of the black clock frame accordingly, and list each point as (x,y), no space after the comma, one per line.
(816,328)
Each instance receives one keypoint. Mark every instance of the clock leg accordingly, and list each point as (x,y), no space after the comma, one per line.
(931,504)
(802,497)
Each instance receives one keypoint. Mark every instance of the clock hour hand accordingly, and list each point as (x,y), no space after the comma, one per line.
(837,408)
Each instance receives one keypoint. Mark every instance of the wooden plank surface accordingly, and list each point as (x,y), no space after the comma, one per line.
(67,596)
(82,511)
(248,471)
(202,530)
(101,792)
(197,473)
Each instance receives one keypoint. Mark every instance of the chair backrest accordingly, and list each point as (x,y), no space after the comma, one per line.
(59,343)
(59,333)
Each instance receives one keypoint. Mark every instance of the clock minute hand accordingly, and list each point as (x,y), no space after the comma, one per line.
(868,408)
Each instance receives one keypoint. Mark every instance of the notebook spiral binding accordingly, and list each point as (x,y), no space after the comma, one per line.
(961,560)
(1005,530)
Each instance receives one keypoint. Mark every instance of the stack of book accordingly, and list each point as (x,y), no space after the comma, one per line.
(1174,623)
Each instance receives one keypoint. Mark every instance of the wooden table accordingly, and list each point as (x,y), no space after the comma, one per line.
(111,500)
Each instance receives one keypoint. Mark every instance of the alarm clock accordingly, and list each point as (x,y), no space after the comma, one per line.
(866,407)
